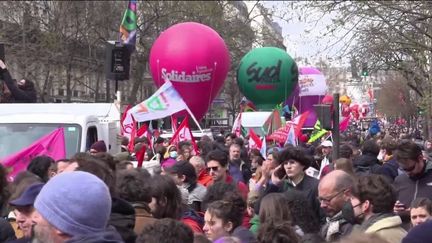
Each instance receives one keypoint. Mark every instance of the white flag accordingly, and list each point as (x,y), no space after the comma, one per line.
(164,102)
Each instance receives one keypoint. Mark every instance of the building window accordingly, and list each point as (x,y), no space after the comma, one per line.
(75,93)
(61,92)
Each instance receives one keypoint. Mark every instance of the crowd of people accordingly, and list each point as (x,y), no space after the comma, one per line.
(377,190)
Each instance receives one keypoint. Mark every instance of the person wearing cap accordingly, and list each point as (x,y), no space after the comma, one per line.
(184,176)
(24,210)
(74,207)
(98,147)
(326,149)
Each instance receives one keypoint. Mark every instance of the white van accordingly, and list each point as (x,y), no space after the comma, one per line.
(84,124)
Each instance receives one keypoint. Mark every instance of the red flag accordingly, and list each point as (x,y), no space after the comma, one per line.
(126,122)
(299,122)
(52,145)
(173,124)
(133,134)
(343,125)
(184,133)
(254,140)
(280,135)
(140,156)
(142,131)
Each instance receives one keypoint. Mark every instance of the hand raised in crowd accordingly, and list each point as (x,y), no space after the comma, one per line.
(276,178)
(400,207)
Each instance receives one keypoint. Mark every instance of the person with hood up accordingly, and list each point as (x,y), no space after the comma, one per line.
(367,163)
(74,207)
(23,91)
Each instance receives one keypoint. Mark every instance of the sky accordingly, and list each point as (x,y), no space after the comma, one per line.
(305,37)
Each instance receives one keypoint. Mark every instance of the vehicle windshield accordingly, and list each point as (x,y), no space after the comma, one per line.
(15,137)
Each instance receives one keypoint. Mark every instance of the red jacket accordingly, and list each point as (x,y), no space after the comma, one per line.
(204,178)
(243,189)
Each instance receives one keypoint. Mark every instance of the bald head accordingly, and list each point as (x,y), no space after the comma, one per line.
(334,190)
(338,180)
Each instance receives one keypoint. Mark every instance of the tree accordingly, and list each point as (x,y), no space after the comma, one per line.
(388,35)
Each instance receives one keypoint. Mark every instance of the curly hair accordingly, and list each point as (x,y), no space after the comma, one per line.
(133,186)
(280,232)
(219,156)
(378,191)
(301,212)
(221,191)
(166,231)
(227,211)
(296,154)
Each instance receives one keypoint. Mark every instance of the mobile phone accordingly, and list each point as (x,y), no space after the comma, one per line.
(280,172)
(2,52)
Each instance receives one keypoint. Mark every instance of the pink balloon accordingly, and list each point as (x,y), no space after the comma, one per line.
(195,59)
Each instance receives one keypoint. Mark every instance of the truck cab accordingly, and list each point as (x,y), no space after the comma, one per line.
(84,124)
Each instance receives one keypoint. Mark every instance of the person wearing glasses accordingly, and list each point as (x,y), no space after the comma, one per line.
(335,192)
(217,168)
(416,181)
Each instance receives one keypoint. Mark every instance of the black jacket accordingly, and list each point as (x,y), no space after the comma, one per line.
(409,189)
(308,187)
(389,169)
(123,219)
(18,95)
(366,164)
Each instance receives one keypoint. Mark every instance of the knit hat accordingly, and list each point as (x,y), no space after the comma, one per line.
(76,203)
(99,146)
(420,234)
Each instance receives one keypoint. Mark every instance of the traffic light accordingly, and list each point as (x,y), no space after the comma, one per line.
(365,71)
(117,61)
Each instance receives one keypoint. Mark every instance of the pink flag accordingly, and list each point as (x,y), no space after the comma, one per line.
(52,145)
(343,125)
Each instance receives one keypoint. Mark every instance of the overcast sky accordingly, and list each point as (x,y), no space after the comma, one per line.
(306,38)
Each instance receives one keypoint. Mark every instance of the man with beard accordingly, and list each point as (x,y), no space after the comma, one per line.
(416,181)
(22,91)
(74,207)
(24,210)
(372,206)
(238,169)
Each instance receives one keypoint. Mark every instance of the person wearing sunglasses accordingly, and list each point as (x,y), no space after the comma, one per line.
(416,179)
(217,168)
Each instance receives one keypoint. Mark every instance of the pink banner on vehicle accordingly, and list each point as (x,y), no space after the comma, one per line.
(52,145)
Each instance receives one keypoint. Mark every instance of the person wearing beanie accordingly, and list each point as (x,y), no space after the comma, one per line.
(74,207)
(98,147)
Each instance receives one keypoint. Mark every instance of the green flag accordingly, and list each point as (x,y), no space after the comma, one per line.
(317,132)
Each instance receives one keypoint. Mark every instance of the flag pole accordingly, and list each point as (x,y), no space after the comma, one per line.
(194,119)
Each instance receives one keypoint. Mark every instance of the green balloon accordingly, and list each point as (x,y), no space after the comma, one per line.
(267,76)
